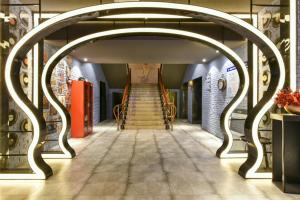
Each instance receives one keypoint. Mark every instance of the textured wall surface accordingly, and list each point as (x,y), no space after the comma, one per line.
(94,73)
(213,100)
(298,44)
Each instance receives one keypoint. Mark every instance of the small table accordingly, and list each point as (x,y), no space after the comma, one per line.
(286,152)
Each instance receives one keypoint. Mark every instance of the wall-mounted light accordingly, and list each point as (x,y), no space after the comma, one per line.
(217,51)
(204,60)
(85,59)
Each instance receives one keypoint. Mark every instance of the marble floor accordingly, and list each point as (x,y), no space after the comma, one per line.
(145,164)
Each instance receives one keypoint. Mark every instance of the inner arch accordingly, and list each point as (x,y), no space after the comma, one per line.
(230,54)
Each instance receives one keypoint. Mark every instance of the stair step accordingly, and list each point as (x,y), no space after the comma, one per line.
(145,99)
(154,123)
(145,89)
(140,114)
(145,110)
(128,127)
(143,93)
(144,118)
(145,113)
(143,85)
(134,101)
(143,105)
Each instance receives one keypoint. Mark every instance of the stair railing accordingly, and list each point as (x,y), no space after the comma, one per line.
(169,109)
(120,110)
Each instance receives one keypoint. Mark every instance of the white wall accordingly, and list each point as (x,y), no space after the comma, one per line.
(213,100)
(93,73)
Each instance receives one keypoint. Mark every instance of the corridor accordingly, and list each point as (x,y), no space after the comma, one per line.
(145,164)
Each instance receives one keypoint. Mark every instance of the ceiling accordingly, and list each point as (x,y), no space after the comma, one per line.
(232,6)
(160,50)
(174,53)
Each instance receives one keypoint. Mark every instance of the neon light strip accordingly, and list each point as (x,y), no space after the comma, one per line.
(225,152)
(65,152)
(144,16)
(235,102)
(217,16)
(35,66)
(254,55)
(255,65)
(293,43)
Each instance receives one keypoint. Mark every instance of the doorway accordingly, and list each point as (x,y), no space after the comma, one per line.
(197,101)
(102,106)
(184,101)
(173,99)
(116,99)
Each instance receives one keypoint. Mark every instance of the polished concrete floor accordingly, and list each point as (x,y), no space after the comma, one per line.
(145,164)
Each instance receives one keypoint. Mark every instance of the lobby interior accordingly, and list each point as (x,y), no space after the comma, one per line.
(148,100)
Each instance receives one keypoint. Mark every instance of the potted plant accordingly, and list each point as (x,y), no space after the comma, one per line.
(289,100)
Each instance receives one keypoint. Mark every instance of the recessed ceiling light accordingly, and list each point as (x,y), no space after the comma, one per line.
(217,51)
(85,59)
(203,60)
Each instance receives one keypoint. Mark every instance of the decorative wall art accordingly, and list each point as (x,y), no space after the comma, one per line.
(271,21)
(266,77)
(12,117)
(208,82)
(25,125)
(233,78)
(12,140)
(144,73)
(60,86)
(20,22)
(222,83)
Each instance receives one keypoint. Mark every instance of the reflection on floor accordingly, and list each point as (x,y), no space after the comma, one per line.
(145,164)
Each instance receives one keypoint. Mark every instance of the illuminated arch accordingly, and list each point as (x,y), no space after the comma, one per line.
(238,62)
(248,169)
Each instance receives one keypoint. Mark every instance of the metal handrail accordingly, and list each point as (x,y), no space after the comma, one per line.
(119,110)
(169,108)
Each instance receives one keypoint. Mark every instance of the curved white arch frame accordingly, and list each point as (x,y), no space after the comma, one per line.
(252,171)
(226,152)
(293,44)
(211,41)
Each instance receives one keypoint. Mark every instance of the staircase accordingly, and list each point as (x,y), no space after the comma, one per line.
(144,109)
